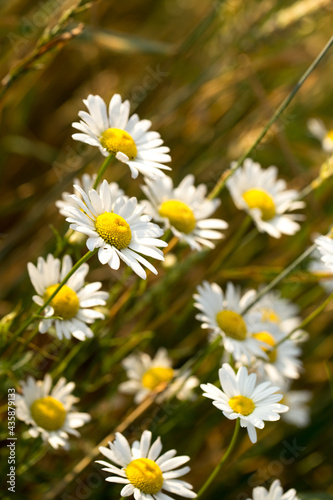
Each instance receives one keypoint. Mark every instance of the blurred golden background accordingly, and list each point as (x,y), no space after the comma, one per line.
(208,74)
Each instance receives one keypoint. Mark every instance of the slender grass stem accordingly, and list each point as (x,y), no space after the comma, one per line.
(221,183)
(27,341)
(231,245)
(280,277)
(47,302)
(73,352)
(309,318)
(33,460)
(222,461)
(102,170)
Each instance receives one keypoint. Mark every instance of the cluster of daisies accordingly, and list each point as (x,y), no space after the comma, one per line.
(264,358)
(263,340)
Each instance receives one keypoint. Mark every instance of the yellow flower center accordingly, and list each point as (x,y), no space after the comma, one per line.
(155,376)
(145,475)
(329,135)
(48,413)
(65,304)
(232,324)
(114,230)
(242,405)
(268,339)
(179,215)
(258,198)
(270,315)
(115,140)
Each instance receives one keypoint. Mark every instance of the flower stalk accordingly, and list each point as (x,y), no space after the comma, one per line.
(222,461)
(102,170)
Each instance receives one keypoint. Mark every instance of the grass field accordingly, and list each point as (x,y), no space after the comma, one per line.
(209,76)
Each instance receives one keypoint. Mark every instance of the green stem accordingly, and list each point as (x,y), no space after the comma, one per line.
(306,191)
(66,360)
(222,461)
(102,170)
(34,459)
(28,340)
(308,319)
(280,277)
(283,106)
(47,302)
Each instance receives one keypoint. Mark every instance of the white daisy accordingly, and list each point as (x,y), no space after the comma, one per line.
(265,198)
(299,411)
(148,374)
(317,266)
(282,359)
(182,387)
(144,471)
(242,398)
(279,311)
(320,132)
(325,248)
(185,210)
(221,312)
(128,139)
(274,493)
(73,302)
(86,183)
(50,412)
(118,229)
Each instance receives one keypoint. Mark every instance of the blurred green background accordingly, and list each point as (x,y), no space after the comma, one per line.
(209,75)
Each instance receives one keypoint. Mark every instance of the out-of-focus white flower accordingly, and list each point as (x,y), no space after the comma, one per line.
(325,248)
(274,493)
(265,198)
(279,311)
(299,410)
(50,412)
(282,361)
(318,129)
(185,210)
(318,266)
(221,312)
(148,374)
(73,303)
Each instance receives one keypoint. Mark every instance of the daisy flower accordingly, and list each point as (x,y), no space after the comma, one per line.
(299,411)
(143,471)
(86,183)
(118,229)
(185,210)
(72,304)
(148,374)
(282,359)
(325,248)
(274,493)
(317,266)
(317,128)
(265,198)
(279,311)
(242,398)
(221,312)
(50,412)
(128,139)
